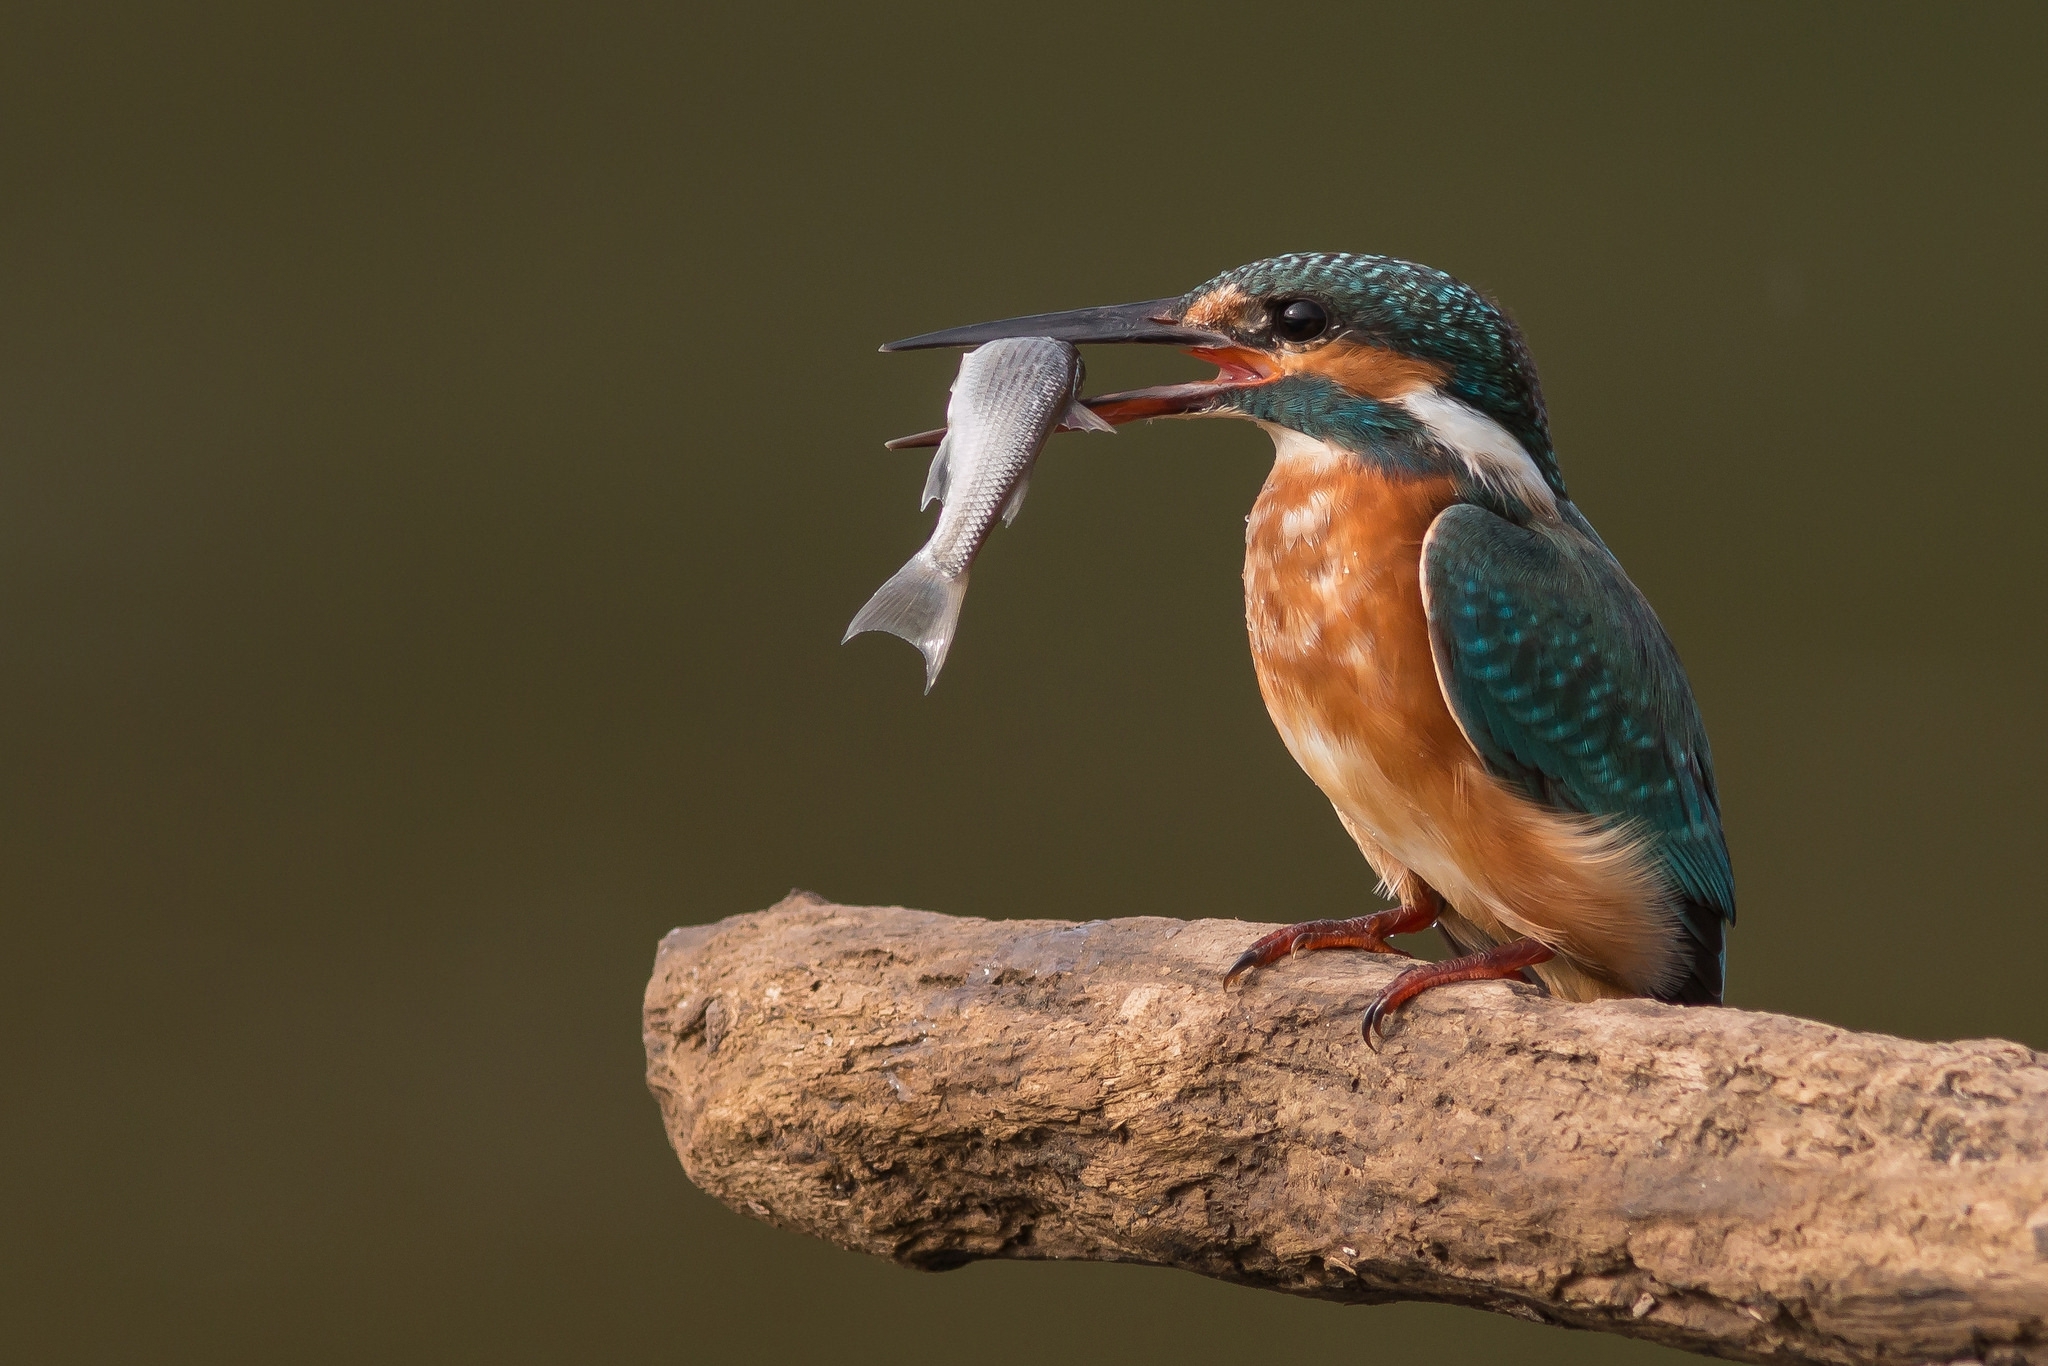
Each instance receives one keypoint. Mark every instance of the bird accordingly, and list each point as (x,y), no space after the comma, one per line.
(1445,644)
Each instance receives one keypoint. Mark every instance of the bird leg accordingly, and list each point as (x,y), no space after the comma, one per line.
(1368,932)
(1499,962)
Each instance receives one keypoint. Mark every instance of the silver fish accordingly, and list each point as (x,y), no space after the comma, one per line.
(1007,399)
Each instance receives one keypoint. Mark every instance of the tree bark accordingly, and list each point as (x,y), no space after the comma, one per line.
(936,1090)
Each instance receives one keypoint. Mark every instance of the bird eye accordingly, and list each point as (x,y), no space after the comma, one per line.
(1300,320)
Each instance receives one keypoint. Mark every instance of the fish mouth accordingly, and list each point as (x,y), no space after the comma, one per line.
(1155,322)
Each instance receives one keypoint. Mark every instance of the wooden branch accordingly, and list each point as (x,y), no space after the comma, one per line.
(936,1090)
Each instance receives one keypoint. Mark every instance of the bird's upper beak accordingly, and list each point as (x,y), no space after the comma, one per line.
(1157,321)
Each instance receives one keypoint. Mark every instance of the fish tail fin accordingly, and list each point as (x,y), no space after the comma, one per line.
(921,605)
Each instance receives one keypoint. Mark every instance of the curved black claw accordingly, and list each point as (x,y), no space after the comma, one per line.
(1271,948)
(1252,958)
(1382,1007)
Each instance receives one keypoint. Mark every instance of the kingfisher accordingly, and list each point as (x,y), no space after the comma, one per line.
(1445,644)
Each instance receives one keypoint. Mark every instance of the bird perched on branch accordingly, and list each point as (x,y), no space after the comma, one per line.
(1446,645)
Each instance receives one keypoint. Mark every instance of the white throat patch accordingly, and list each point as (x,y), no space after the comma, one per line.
(1302,451)
(1488,450)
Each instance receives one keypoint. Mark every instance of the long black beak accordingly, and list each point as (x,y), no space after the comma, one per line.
(1156,321)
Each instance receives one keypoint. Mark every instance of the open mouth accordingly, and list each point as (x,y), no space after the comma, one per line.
(1237,367)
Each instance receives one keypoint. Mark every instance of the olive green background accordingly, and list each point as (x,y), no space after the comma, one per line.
(440,448)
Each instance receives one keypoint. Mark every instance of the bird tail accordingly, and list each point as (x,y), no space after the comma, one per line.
(1706,955)
(920,604)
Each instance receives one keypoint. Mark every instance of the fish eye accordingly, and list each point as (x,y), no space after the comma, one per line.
(1299,320)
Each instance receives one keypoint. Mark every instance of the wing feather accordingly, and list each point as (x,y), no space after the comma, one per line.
(1565,682)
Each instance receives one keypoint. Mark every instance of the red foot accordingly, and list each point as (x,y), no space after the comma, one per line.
(1368,932)
(1501,961)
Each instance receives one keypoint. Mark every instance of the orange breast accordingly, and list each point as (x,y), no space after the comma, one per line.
(1333,605)
(1340,640)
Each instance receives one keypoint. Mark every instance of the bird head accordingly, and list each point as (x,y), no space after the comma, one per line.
(1385,358)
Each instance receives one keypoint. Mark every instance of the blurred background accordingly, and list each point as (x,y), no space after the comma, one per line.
(440,448)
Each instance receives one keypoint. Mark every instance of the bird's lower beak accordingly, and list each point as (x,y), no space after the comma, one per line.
(1155,321)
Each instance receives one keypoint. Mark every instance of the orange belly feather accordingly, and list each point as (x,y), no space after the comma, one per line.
(1334,607)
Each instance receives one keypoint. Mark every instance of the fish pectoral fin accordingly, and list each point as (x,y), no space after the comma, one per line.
(1015,502)
(940,479)
(1082,418)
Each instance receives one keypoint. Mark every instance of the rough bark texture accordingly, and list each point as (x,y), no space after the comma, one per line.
(936,1090)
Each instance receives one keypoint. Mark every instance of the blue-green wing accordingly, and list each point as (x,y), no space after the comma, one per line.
(1565,682)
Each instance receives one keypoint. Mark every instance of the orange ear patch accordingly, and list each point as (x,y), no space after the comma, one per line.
(1368,371)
